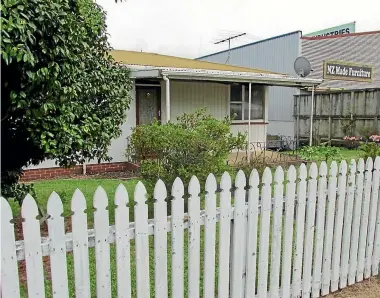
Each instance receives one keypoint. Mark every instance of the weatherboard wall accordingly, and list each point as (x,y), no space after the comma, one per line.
(274,54)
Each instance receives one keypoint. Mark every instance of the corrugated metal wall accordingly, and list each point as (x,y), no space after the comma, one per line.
(275,54)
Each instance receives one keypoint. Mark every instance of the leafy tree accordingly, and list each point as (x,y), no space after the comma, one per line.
(63,97)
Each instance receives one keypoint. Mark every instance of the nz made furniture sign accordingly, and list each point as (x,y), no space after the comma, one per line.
(347,71)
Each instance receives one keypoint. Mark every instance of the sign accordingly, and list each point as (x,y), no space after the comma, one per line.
(341,70)
(337,30)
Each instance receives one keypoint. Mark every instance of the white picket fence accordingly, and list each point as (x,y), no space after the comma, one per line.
(316,233)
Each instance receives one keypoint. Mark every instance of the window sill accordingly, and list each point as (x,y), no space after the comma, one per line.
(245,122)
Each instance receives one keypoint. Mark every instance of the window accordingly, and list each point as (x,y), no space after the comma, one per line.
(239,102)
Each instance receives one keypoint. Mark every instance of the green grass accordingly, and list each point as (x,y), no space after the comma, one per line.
(66,188)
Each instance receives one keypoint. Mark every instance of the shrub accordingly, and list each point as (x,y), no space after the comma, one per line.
(197,144)
(370,150)
(321,152)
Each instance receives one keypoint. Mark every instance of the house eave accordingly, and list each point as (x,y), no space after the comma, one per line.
(225,76)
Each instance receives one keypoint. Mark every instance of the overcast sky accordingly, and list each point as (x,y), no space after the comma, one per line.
(189,28)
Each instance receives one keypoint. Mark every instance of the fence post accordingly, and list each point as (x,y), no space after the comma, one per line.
(330,119)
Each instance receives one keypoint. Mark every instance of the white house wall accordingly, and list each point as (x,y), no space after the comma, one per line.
(187,97)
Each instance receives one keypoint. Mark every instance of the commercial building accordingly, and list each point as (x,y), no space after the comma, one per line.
(279,53)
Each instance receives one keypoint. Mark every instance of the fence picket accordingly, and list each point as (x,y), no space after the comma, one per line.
(329,228)
(123,263)
(288,232)
(177,238)
(253,205)
(56,228)
(372,217)
(364,219)
(194,238)
(376,245)
(238,247)
(32,242)
(10,286)
(266,207)
(338,225)
(356,223)
(210,236)
(224,236)
(160,241)
(80,245)
(300,229)
(274,280)
(347,224)
(141,242)
(319,230)
(309,231)
(102,247)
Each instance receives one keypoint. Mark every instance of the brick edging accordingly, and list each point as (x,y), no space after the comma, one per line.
(49,173)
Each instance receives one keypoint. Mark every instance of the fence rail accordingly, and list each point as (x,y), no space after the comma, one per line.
(293,234)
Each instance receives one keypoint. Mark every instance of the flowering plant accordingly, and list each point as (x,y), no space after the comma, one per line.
(375,138)
(352,138)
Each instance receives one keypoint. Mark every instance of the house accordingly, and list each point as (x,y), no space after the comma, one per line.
(165,87)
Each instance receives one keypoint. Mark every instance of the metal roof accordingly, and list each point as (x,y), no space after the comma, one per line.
(356,48)
(224,76)
(157,60)
(249,44)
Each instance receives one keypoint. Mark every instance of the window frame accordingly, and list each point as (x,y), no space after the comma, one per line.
(242,102)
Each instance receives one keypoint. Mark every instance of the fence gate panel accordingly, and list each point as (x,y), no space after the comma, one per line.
(327,252)
(319,231)
(300,229)
(266,207)
(58,262)
(10,286)
(33,254)
(288,232)
(123,263)
(224,236)
(177,239)
(194,238)
(253,205)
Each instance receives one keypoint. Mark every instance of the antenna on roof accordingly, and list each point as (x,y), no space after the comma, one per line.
(229,43)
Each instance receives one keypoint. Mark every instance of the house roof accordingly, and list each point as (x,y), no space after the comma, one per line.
(157,60)
(149,65)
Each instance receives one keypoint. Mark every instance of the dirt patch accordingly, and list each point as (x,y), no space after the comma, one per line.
(369,288)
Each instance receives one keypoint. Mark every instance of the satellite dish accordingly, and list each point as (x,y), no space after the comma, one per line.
(302,66)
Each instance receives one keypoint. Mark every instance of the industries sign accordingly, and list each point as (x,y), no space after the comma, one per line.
(341,70)
(337,30)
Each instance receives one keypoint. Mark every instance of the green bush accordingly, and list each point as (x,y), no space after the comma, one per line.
(318,153)
(197,144)
(370,150)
